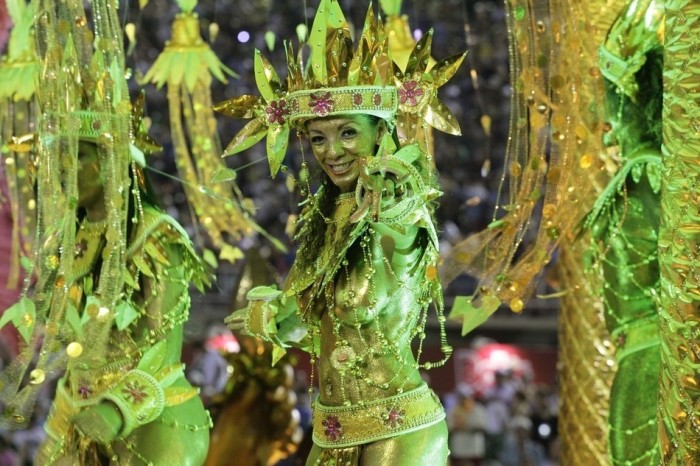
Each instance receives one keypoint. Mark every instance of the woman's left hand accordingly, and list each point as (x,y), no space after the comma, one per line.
(382,184)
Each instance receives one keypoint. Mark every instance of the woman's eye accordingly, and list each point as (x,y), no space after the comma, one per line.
(349,133)
(317,139)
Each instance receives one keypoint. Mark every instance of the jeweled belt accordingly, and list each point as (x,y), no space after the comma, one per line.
(345,426)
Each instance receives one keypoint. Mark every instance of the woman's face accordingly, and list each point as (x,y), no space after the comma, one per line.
(338,142)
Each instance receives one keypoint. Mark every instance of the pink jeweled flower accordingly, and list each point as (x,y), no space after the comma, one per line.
(621,339)
(84,390)
(134,392)
(321,103)
(357,99)
(81,248)
(277,111)
(332,428)
(394,416)
(410,93)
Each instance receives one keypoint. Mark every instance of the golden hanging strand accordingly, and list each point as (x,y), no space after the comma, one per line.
(555,170)
(19,75)
(77,80)
(186,66)
(554,143)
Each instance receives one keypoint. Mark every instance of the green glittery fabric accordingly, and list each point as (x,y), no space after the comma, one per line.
(626,227)
(679,241)
(631,270)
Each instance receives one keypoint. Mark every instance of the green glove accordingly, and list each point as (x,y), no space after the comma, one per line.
(101,422)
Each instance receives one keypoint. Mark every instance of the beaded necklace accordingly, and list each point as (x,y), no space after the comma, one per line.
(330,263)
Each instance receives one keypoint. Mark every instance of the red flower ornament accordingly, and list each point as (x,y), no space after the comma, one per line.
(332,428)
(321,103)
(410,93)
(277,111)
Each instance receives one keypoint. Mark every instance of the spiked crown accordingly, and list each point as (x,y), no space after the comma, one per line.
(338,80)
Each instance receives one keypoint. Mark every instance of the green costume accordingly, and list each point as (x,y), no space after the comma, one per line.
(162,418)
(107,294)
(364,297)
(365,273)
(355,303)
(627,225)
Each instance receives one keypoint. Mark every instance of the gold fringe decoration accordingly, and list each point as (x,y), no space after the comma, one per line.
(555,169)
(554,143)
(186,66)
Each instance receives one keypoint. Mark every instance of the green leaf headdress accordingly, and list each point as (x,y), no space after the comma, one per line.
(338,80)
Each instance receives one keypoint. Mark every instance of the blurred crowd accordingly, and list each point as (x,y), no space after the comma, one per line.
(513,423)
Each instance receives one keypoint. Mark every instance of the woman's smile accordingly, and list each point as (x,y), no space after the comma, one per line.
(340,168)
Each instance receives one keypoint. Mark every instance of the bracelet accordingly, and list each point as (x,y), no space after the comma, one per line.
(140,399)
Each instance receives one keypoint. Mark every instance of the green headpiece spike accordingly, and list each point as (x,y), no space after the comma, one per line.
(328,23)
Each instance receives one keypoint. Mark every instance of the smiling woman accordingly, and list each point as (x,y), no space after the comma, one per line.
(339,143)
(365,273)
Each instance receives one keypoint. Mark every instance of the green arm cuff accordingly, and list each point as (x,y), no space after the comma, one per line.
(140,400)
(260,319)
